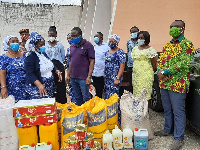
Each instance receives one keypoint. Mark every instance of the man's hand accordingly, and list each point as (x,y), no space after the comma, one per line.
(166,78)
(88,81)
(160,75)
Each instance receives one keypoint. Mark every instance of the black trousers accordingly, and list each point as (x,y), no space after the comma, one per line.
(130,71)
(60,86)
(99,85)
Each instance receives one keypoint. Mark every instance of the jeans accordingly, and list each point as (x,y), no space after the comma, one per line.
(80,90)
(174,113)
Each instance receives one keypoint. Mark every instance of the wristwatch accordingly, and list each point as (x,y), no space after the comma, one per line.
(117,77)
(162,72)
(90,77)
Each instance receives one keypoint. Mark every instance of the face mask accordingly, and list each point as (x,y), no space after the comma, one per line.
(175,32)
(76,40)
(14,46)
(134,35)
(112,45)
(42,49)
(96,40)
(70,42)
(140,42)
(52,39)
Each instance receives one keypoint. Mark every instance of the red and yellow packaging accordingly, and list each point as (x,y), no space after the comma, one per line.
(88,142)
(34,107)
(35,120)
(80,132)
(72,143)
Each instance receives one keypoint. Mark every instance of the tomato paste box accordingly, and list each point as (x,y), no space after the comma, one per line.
(35,107)
(35,120)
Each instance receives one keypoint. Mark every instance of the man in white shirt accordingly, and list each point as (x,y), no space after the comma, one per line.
(100,48)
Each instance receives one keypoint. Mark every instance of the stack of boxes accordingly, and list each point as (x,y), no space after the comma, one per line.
(8,131)
(35,112)
(32,113)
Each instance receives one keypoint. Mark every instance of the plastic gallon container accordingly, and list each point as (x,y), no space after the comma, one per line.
(127,137)
(107,141)
(49,133)
(27,136)
(117,138)
(141,139)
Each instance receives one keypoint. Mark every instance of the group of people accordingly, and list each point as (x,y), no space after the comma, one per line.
(172,69)
(37,70)
(33,68)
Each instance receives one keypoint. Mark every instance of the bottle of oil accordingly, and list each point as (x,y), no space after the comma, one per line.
(107,141)
(117,138)
(127,137)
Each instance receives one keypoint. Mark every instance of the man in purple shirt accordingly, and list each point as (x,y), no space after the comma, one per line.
(81,66)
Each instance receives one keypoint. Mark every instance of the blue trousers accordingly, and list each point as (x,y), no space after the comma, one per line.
(174,113)
(80,91)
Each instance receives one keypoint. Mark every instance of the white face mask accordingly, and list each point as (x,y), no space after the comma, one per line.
(52,39)
(140,42)
(134,35)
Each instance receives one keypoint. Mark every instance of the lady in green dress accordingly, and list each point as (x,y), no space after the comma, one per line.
(143,71)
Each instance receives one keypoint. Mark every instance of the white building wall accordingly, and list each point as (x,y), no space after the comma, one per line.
(102,19)
(89,19)
(37,17)
(96,17)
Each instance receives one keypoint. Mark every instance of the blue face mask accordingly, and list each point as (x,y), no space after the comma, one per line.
(76,40)
(70,42)
(42,49)
(96,40)
(112,45)
(134,35)
(14,46)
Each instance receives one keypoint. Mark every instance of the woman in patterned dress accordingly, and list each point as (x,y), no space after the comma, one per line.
(12,72)
(114,66)
(40,81)
(143,72)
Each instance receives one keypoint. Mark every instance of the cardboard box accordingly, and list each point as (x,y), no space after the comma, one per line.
(35,107)
(35,120)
